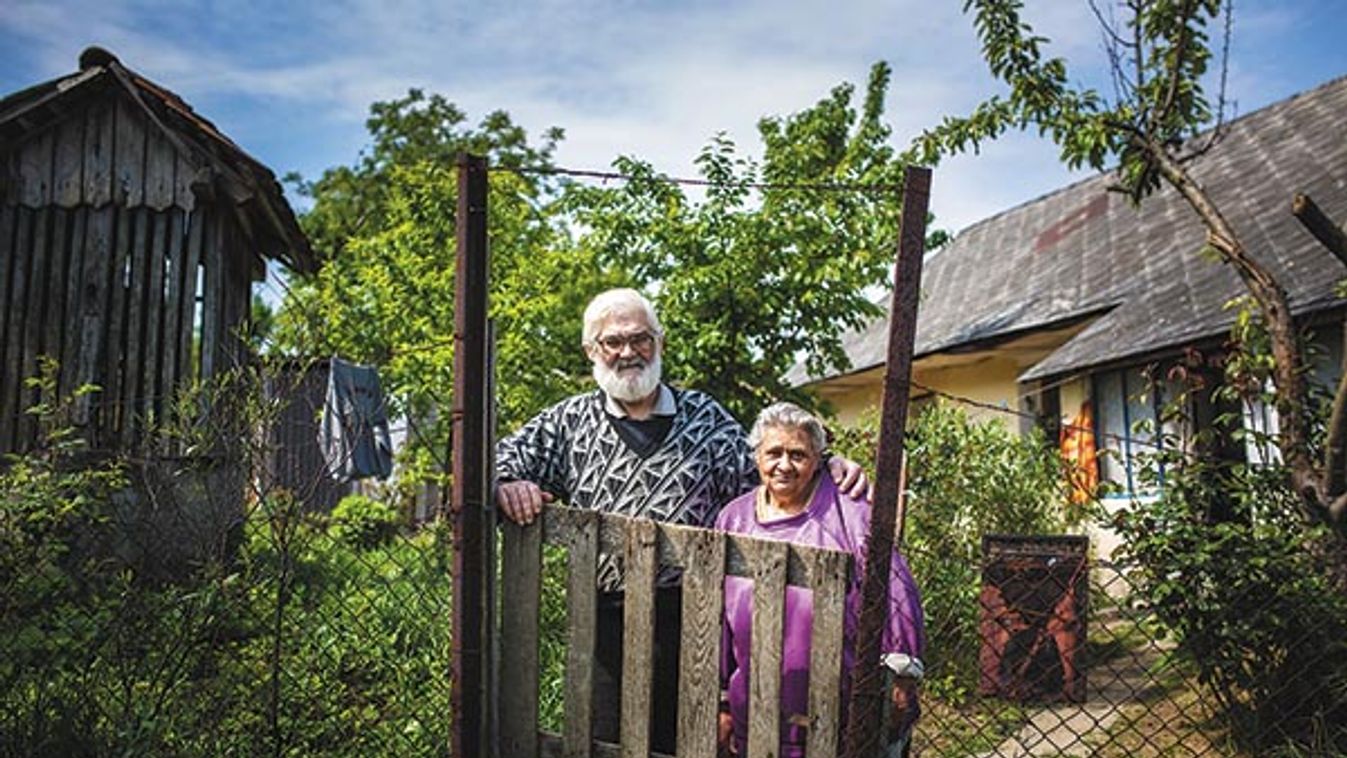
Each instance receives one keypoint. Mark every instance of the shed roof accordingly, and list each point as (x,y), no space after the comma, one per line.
(1083,250)
(250,184)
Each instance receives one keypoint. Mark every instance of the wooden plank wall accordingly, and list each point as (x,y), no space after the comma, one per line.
(110,265)
(706,557)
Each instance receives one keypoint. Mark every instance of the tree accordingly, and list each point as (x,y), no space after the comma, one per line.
(384,294)
(352,202)
(1149,132)
(746,283)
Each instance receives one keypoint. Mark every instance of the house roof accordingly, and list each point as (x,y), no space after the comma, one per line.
(250,184)
(1083,250)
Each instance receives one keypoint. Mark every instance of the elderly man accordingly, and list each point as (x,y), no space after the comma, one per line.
(636,447)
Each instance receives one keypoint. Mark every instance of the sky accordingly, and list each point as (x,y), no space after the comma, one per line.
(292,82)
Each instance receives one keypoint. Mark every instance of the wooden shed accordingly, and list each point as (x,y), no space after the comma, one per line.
(131,230)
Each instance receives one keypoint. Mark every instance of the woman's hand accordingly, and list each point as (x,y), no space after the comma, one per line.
(725,734)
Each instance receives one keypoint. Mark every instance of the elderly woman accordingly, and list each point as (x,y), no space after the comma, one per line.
(795,504)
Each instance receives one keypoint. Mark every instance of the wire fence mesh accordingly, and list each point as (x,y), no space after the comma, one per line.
(203,604)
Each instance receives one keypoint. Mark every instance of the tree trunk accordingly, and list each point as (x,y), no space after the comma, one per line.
(1288,373)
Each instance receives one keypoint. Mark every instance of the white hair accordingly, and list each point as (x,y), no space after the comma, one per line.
(620,300)
(789,416)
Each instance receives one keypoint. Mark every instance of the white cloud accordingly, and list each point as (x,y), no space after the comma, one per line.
(652,79)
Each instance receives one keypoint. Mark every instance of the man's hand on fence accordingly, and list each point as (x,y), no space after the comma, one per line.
(521,501)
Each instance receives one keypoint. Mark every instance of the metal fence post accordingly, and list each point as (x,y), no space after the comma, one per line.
(867,697)
(470,638)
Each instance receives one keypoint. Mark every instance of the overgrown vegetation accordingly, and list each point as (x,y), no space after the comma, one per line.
(1248,590)
(966,478)
(299,637)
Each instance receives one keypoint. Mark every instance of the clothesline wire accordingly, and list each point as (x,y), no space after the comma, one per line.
(1122,439)
(697,182)
(1128,439)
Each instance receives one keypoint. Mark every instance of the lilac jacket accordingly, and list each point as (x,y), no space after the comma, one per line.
(832,520)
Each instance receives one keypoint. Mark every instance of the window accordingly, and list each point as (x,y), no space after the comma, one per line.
(1128,408)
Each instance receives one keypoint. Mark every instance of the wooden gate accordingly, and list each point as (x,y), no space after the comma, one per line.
(705,557)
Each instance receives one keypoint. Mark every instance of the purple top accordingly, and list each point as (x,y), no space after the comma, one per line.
(832,520)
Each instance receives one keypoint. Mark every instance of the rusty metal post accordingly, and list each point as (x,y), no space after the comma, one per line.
(864,717)
(470,635)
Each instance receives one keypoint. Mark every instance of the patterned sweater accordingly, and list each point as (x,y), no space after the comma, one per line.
(573,451)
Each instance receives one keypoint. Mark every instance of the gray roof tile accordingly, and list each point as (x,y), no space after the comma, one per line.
(1084,249)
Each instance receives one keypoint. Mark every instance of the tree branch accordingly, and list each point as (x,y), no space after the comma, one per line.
(1176,72)
(1335,445)
(1329,234)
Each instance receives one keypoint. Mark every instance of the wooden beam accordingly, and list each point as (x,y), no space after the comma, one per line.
(1329,234)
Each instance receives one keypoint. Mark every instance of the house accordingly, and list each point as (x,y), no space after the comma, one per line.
(131,230)
(1076,306)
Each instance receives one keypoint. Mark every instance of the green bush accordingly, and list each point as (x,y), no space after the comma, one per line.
(965,479)
(364,522)
(303,641)
(1250,602)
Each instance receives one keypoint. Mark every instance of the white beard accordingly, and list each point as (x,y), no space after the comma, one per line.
(630,388)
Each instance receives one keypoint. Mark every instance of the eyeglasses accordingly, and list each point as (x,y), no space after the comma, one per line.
(612,344)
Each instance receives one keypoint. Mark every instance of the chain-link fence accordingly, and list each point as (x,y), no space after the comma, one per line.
(207,597)
(1055,656)
(191,604)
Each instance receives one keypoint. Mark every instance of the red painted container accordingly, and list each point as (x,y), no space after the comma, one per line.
(1034,601)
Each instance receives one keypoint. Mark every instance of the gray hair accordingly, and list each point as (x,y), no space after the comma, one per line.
(789,416)
(620,300)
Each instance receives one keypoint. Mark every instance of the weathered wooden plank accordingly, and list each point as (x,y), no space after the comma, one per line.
(613,534)
(98,154)
(133,375)
(699,663)
(35,170)
(184,173)
(211,329)
(829,571)
(161,158)
(582,596)
(128,169)
(521,583)
(68,170)
(173,282)
(551,746)
(115,337)
(58,271)
(768,560)
(640,564)
(74,267)
(17,306)
(93,307)
(153,303)
(72,282)
(8,253)
(237,291)
(187,368)
(32,328)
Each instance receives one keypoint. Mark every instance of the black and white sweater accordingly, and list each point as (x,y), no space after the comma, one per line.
(573,451)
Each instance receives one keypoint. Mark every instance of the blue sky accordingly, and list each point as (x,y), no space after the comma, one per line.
(292,81)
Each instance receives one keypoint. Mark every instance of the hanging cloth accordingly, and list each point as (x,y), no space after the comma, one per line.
(354,431)
(1078,451)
